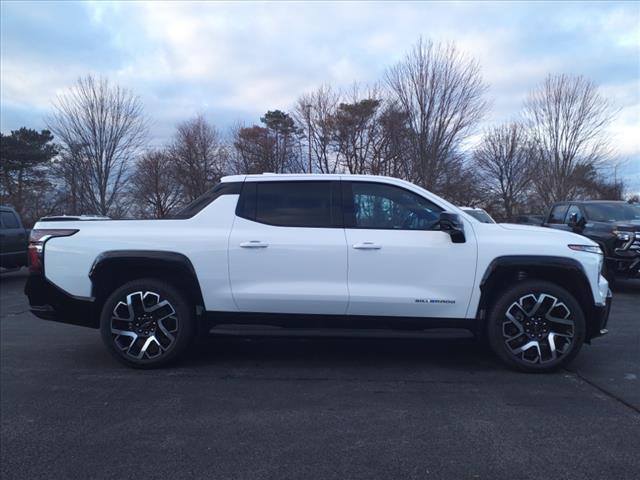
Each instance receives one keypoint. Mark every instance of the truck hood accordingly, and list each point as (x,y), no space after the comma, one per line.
(627,225)
(561,235)
(527,228)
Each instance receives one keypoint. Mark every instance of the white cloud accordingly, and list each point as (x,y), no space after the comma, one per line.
(239,59)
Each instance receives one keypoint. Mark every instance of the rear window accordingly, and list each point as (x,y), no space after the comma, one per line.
(290,204)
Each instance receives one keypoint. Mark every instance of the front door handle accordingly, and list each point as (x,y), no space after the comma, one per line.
(367,246)
(254,244)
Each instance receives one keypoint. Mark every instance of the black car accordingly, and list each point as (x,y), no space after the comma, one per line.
(13,239)
(615,226)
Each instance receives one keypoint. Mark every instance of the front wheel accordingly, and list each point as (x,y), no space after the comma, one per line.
(146,323)
(536,326)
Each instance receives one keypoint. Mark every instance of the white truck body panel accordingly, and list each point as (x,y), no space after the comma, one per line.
(318,270)
(300,270)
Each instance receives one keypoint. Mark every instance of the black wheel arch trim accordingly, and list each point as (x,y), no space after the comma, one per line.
(152,259)
(537,264)
(163,255)
(514,261)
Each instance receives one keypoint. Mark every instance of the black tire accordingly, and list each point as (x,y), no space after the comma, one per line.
(147,312)
(531,312)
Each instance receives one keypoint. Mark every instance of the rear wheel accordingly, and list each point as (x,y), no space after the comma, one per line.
(146,323)
(536,326)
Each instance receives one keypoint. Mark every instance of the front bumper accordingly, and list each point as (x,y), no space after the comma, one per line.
(624,267)
(597,324)
(49,302)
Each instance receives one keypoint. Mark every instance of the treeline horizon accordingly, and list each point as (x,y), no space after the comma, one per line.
(415,124)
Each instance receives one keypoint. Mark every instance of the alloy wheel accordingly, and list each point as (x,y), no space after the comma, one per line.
(144,325)
(538,328)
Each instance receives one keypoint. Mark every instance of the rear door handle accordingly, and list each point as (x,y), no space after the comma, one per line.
(367,246)
(254,244)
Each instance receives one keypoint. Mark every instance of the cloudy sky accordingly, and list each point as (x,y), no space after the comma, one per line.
(234,61)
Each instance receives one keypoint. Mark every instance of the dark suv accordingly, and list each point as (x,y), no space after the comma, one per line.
(615,226)
(13,239)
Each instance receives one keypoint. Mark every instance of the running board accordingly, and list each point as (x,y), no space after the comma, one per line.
(271,331)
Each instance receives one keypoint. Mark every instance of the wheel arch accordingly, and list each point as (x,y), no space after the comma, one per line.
(114,268)
(564,272)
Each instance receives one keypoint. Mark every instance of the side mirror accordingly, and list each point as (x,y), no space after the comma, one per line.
(451,224)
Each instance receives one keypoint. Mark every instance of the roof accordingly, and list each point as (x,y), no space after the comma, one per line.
(305,176)
(584,202)
(267,177)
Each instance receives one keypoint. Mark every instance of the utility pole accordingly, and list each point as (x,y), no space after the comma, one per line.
(309,132)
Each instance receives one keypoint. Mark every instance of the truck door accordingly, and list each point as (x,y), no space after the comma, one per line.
(400,263)
(287,249)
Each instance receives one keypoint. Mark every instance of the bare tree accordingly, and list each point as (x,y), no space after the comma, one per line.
(71,170)
(357,130)
(567,119)
(154,184)
(393,142)
(273,148)
(504,161)
(313,114)
(441,93)
(102,127)
(200,156)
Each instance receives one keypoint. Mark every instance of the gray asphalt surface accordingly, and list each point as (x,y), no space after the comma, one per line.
(343,409)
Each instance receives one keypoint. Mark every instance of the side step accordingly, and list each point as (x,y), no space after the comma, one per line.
(271,331)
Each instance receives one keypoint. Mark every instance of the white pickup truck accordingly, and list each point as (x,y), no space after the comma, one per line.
(319,255)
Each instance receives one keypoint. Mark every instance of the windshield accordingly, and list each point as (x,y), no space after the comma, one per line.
(612,212)
(481,215)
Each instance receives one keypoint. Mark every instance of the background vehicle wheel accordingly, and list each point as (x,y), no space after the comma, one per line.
(146,323)
(536,326)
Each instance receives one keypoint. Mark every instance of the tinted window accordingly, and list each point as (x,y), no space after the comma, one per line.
(290,204)
(380,206)
(9,220)
(612,212)
(558,213)
(573,209)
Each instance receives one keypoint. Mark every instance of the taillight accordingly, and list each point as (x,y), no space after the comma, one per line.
(36,245)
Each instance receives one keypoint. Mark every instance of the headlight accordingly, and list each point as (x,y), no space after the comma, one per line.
(622,235)
(587,248)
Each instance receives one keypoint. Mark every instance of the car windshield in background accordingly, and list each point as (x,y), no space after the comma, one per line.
(612,212)
(480,215)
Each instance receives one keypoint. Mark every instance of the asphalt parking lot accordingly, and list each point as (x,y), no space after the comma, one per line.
(343,409)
